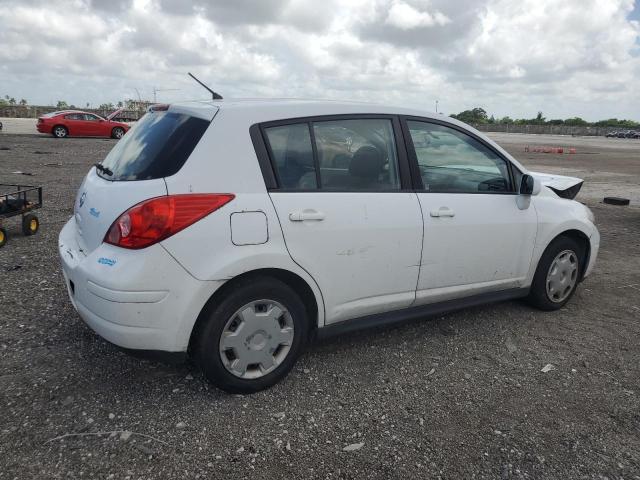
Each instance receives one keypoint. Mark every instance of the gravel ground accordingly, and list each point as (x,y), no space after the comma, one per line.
(458,396)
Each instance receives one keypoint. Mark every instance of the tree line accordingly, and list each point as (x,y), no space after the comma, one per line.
(479,116)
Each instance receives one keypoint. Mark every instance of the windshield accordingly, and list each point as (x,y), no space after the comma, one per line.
(157,146)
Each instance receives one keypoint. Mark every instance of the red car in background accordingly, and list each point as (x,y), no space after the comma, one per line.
(76,123)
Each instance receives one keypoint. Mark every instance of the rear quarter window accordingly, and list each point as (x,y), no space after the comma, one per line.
(157,146)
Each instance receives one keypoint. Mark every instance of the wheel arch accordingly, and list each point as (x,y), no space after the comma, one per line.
(581,239)
(291,279)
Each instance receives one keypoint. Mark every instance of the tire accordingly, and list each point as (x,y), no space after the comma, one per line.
(552,290)
(60,131)
(616,201)
(117,133)
(246,340)
(3,237)
(30,225)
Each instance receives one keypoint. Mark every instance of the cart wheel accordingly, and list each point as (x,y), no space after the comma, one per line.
(3,237)
(30,224)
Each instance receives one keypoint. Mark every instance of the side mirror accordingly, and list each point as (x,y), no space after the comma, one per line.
(527,185)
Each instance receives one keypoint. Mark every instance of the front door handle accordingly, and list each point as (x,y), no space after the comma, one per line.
(443,212)
(306,214)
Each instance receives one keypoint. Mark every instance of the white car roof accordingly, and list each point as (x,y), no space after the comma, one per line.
(258,110)
(282,108)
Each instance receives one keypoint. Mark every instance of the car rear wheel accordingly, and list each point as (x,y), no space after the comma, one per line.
(60,131)
(252,338)
(117,132)
(557,275)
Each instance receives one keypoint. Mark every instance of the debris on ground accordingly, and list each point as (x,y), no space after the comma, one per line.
(616,201)
(353,447)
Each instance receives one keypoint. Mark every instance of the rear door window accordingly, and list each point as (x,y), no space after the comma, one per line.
(338,155)
(357,155)
(292,155)
(157,146)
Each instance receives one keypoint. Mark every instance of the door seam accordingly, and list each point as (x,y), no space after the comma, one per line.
(415,292)
(284,239)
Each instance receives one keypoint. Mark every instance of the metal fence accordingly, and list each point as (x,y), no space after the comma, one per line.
(547,129)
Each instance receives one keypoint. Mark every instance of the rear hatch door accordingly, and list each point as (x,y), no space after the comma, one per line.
(157,146)
(100,202)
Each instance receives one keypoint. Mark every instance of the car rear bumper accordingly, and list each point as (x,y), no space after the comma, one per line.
(43,128)
(135,299)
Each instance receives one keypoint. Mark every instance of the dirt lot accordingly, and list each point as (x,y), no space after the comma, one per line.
(459,396)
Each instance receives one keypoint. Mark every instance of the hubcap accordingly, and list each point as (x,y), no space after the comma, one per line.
(562,276)
(60,132)
(256,339)
(33,225)
(119,133)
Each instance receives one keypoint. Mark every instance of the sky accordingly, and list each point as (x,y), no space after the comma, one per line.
(565,58)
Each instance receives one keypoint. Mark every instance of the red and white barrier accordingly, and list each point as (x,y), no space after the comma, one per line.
(557,150)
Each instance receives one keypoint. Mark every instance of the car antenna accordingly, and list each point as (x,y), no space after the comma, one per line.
(214,95)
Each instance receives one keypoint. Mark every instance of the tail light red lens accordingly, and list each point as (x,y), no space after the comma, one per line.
(158,218)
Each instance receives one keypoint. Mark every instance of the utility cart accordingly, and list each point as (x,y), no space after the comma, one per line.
(19,200)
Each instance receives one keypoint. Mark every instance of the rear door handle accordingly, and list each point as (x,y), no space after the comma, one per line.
(443,212)
(306,214)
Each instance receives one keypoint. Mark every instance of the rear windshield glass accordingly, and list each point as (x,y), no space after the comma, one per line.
(157,146)
(53,114)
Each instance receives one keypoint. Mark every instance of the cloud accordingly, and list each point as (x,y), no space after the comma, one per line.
(406,17)
(576,57)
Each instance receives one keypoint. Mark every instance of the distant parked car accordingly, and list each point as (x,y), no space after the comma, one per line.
(622,134)
(76,123)
(636,135)
(612,134)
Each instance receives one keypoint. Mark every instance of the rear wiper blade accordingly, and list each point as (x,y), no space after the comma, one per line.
(103,169)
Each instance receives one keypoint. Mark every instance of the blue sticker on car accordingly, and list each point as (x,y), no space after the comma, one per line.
(107,261)
(94,212)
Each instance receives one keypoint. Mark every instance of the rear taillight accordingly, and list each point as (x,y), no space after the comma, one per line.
(154,220)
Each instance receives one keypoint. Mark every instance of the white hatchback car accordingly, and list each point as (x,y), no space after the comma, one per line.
(237,230)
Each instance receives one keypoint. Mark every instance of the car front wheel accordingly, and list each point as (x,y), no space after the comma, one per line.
(557,275)
(252,338)
(117,133)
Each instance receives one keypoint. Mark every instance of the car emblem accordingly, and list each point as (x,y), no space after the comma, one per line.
(82,198)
